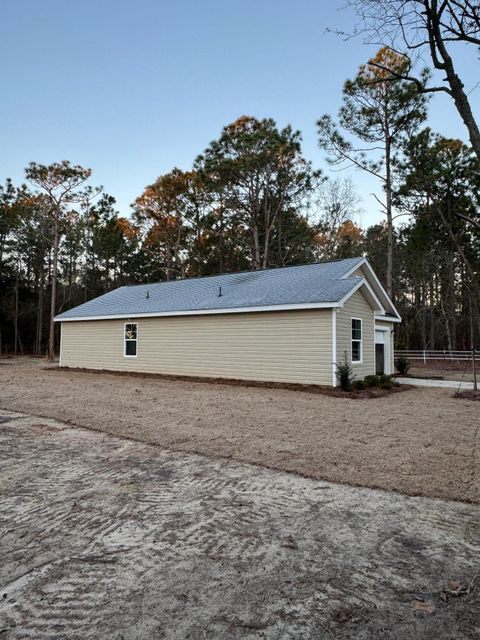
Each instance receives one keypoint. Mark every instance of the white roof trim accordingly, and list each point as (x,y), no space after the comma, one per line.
(201,312)
(387,319)
(372,273)
(363,283)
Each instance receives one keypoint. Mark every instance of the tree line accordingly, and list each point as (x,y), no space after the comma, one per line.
(253,201)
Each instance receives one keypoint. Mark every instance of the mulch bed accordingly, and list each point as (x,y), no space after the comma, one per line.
(371,392)
(468,395)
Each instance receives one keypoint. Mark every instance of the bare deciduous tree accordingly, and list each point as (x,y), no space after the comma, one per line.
(426,28)
(339,210)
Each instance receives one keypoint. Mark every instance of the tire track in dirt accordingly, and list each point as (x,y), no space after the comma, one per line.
(104,537)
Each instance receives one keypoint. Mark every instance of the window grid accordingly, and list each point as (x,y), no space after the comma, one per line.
(356,340)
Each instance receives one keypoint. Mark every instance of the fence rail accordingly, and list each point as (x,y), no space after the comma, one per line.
(425,354)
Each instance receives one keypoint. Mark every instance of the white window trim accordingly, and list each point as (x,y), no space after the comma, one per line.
(352,341)
(125,340)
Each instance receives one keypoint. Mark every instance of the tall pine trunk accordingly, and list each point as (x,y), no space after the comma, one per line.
(388,193)
(53,299)
(15,321)
(256,247)
(39,327)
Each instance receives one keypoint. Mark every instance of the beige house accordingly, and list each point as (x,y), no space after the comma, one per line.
(291,324)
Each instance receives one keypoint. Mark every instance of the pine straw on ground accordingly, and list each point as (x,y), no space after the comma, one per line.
(334,392)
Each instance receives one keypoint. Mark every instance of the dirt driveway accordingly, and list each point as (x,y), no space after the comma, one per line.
(103,537)
(419,442)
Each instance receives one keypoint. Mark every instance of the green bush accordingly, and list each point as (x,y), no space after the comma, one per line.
(345,374)
(371,380)
(358,385)
(387,382)
(403,365)
(383,381)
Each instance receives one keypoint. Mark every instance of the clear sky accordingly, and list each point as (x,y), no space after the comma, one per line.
(132,89)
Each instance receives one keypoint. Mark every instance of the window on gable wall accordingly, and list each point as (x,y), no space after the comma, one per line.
(356,340)
(131,339)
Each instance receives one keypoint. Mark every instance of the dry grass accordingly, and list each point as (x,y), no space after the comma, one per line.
(420,442)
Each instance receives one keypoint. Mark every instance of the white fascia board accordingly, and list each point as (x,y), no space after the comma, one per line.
(382,318)
(371,272)
(201,312)
(363,283)
(348,273)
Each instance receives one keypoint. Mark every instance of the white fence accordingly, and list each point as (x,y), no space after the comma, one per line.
(425,355)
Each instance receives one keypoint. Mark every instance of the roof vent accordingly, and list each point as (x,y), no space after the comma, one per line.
(148,295)
(220,292)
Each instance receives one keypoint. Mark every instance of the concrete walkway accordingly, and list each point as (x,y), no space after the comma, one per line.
(446,384)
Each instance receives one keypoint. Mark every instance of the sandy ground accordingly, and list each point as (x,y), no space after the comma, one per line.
(103,537)
(419,442)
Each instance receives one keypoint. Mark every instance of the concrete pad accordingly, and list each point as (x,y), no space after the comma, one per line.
(446,384)
(103,537)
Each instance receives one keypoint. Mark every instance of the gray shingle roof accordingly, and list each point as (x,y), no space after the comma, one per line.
(313,283)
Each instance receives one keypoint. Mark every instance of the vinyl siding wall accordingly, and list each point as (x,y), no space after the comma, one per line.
(357,306)
(290,346)
(358,273)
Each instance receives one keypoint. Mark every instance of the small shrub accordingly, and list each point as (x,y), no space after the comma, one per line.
(371,381)
(403,365)
(393,380)
(385,382)
(345,374)
(358,385)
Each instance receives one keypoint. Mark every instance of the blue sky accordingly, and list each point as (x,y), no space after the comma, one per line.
(132,89)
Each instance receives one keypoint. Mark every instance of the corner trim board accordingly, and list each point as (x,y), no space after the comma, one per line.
(60,354)
(334,347)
